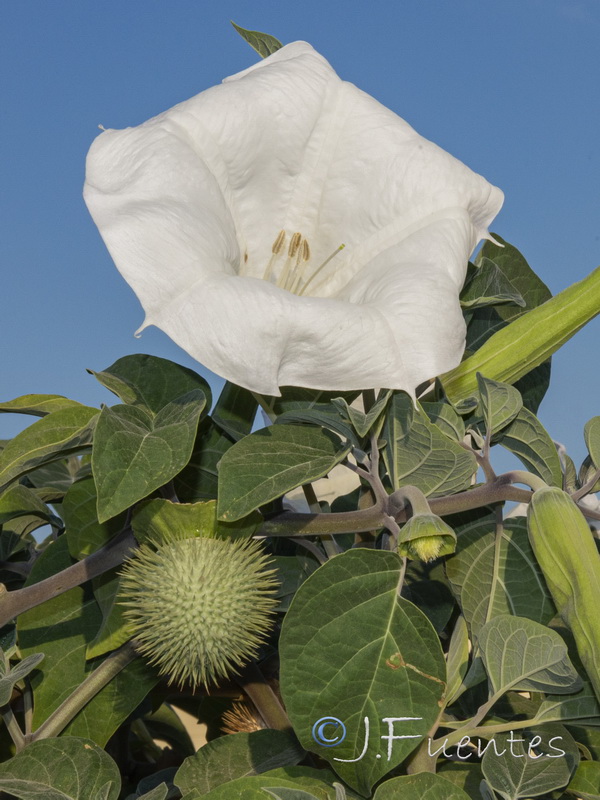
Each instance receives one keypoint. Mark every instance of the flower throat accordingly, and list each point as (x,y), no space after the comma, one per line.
(297,274)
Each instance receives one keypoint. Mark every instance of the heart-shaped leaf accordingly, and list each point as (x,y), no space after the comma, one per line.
(361,668)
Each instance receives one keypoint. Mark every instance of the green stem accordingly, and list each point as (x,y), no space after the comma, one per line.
(13,727)
(329,543)
(111,555)
(85,692)
(264,698)
(528,478)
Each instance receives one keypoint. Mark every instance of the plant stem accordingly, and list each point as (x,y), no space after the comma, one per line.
(264,698)
(13,727)
(87,690)
(111,555)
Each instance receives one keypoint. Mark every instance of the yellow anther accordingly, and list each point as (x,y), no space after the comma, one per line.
(278,243)
(295,242)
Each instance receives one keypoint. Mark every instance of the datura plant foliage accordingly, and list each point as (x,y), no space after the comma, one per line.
(317,586)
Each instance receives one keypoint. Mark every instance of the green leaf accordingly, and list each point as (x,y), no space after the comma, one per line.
(134,453)
(527,438)
(422,786)
(150,382)
(159,792)
(492,576)
(38,405)
(317,781)
(263,43)
(280,793)
(235,411)
(319,415)
(458,659)
(447,420)
(514,774)
(61,769)
(292,571)
(361,422)
(61,628)
(10,676)
(466,775)
(113,631)
(271,462)
(369,653)
(500,402)
(84,533)
(237,756)
(489,286)
(523,655)
(559,708)
(161,520)
(585,783)
(199,479)
(591,433)
(419,454)
(19,501)
(55,436)
(515,269)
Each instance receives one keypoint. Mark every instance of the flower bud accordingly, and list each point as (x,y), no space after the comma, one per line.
(568,557)
(426,537)
(198,608)
(529,340)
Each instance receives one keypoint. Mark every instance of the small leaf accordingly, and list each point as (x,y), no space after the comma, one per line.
(458,659)
(38,405)
(199,478)
(500,402)
(370,654)
(235,410)
(61,769)
(422,786)
(591,433)
(134,453)
(561,708)
(362,422)
(523,655)
(419,454)
(84,533)
(489,286)
(515,774)
(159,792)
(446,418)
(493,575)
(55,436)
(151,382)
(586,781)
(19,501)
(527,438)
(320,415)
(236,756)
(17,673)
(318,782)
(263,43)
(271,462)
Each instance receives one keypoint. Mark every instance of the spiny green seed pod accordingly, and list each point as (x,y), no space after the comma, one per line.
(198,608)
(426,537)
(566,552)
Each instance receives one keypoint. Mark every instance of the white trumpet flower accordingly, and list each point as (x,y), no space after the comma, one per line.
(285,228)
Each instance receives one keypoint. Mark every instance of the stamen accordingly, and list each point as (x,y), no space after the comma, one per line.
(276,248)
(278,243)
(295,242)
(321,268)
(305,251)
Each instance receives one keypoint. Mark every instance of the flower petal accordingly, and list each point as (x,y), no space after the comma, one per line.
(190,203)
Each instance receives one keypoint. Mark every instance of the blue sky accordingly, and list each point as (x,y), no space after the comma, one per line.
(507,86)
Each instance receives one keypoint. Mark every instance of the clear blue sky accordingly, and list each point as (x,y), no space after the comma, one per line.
(508,86)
